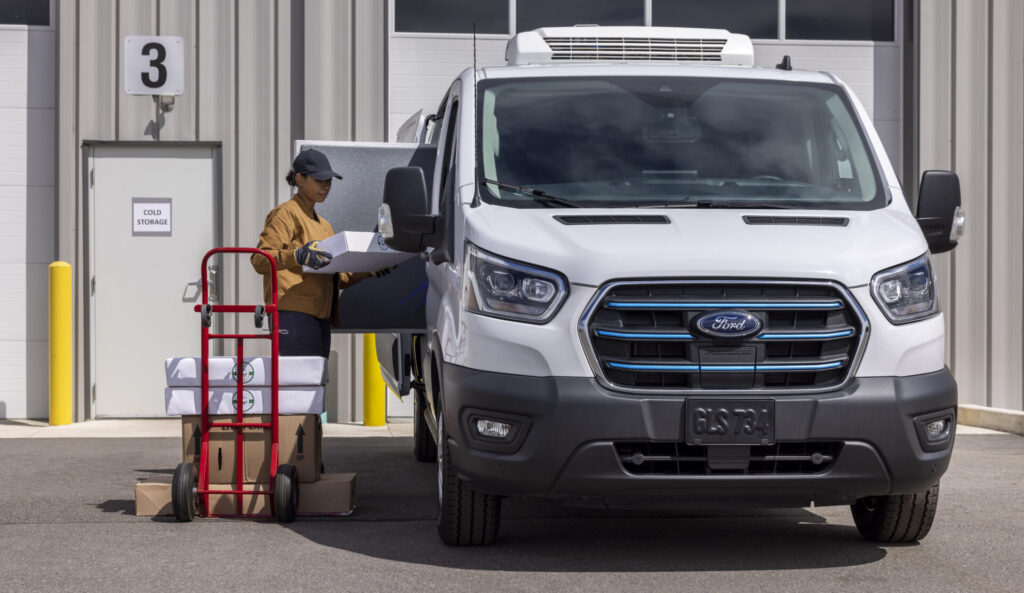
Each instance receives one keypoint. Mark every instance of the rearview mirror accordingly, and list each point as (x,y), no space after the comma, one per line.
(938,210)
(403,219)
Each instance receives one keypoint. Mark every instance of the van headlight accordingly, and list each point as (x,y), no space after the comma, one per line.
(501,288)
(906,293)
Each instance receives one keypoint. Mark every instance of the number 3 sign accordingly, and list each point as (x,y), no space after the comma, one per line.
(154,65)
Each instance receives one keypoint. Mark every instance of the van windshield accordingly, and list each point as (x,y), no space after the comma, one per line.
(633,141)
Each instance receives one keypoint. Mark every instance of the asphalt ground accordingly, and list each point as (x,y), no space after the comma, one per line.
(67,523)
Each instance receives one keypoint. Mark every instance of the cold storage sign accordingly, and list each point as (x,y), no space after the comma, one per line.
(151,217)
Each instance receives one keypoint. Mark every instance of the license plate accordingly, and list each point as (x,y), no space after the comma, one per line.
(730,422)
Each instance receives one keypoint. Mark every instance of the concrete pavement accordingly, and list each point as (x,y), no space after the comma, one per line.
(67,524)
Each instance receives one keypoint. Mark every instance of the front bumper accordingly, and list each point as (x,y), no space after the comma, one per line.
(569,428)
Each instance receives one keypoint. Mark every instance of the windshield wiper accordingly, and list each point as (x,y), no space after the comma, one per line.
(750,205)
(538,195)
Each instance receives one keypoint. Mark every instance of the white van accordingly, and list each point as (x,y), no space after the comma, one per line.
(659,276)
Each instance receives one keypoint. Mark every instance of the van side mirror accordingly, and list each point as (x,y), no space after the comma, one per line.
(404,220)
(938,210)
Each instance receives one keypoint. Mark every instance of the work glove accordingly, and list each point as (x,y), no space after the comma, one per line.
(311,256)
(382,272)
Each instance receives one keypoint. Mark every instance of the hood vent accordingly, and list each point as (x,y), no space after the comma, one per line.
(613,219)
(804,220)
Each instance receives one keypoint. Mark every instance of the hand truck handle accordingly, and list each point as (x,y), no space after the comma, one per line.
(249,250)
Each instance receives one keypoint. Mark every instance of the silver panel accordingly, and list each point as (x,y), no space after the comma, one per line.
(136,114)
(179,19)
(970,161)
(1007,204)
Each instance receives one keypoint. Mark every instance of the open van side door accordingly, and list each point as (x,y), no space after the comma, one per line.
(394,306)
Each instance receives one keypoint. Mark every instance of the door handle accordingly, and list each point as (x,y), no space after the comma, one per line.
(186,298)
(213,280)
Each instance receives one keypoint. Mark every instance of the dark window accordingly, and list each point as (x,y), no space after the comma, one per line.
(451,16)
(25,12)
(864,20)
(534,14)
(756,18)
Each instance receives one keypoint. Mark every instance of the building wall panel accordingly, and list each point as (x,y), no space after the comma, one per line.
(970,154)
(1006,175)
(137,114)
(178,18)
(99,87)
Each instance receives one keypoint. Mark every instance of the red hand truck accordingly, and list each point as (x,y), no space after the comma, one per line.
(190,487)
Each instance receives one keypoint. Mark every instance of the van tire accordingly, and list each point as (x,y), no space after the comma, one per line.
(465,517)
(901,518)
(424,448)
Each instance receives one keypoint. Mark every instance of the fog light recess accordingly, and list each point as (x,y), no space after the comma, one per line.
(935,431)
(493,429)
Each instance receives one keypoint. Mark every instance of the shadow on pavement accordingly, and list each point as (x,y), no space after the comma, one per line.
(396,509)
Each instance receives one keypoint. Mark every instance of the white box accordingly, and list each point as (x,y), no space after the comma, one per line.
(292,370)
(354,251)
(186,401)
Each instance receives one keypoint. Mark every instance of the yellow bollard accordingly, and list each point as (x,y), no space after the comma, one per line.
(374,390)
(60,343)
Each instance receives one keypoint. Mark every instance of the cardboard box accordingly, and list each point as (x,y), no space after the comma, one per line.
(300,443)
(153,496)
(227,504)
(333,495)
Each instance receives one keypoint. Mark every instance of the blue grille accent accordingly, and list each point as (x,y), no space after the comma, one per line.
(807,336)
(642,336)
(726,305)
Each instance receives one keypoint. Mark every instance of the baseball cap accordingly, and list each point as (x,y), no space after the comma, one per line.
(314,163)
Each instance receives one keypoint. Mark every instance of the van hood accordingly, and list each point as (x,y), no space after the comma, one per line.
(700,243)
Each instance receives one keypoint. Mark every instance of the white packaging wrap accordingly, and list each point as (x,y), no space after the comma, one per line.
(292,370)
(355,251)
(186,401)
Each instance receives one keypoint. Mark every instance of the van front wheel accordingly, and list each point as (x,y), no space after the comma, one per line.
(901,518)
(465,517)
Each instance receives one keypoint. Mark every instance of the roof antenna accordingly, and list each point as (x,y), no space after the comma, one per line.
(785,64)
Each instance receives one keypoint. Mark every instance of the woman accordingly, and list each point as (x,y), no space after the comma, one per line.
(290,236)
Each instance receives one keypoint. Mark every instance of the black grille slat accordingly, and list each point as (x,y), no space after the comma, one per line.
(643,337)
(679,459)
(612,219)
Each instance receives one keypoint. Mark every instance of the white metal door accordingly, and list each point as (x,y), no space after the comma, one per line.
(153,217)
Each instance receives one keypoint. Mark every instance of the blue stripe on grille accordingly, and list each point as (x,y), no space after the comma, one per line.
(807,336)
(643,336)
(721,305)
(693,368)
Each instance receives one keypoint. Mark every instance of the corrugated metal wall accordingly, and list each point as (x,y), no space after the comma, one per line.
(970,60)
(259,74)
(27,205)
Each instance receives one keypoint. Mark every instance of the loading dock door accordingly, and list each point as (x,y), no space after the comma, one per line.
(152,218)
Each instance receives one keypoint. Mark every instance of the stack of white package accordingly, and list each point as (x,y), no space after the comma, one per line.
(301,381)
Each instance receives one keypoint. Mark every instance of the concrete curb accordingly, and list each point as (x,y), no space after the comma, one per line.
(994,418)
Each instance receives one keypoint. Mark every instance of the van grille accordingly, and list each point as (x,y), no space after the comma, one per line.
(680,459)
(643,336)
(621,49)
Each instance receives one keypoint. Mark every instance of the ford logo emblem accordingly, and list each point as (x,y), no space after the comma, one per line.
(728,324)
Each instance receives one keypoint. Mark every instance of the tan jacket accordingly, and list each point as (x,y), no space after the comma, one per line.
(288,227)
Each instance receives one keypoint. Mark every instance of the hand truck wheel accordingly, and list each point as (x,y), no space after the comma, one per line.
(206,311)
(184,491)
(286,493)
